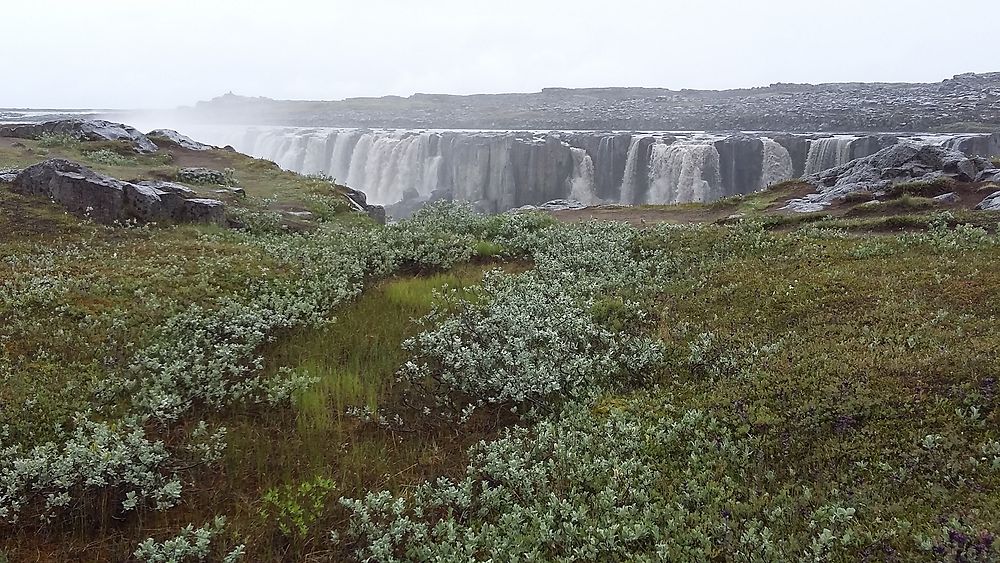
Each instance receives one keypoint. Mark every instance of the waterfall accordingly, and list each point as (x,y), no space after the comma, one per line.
(683,172)
(828,153)
(499,170)
(582,186)
(629,190)
(776,165)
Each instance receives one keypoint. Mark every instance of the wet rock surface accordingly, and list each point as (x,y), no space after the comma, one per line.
(86,193)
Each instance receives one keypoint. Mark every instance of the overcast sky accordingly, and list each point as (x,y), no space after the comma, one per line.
(141,54)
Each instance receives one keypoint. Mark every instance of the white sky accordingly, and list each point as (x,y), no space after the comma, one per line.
(146,54)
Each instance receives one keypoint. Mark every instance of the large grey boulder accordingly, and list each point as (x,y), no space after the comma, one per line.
(105,199)
(178,139)
(83,130)
(991,203)
(871,144)
(900,163)
(77,188)
(359,201)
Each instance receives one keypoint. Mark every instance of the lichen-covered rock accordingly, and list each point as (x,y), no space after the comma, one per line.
(83,130)
(178,139)
(201,176)
(202,210)
(143,203)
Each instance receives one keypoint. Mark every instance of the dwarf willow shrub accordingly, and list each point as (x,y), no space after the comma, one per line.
(940,236)
(518,234)
(109,157)
(522,339)
(54,140)
(190,546)
(54,477)
(207,356)
(437,237)
(541,335)
(641,483)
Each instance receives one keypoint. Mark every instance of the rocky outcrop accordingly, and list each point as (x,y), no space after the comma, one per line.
(359,201)
(83,130)
(183,141)
(86,193)
(948,198)
(899,163)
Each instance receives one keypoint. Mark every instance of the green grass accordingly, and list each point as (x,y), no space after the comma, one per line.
(354,360)
(874,354)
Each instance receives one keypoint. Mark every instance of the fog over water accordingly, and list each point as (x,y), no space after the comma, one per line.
(121,54)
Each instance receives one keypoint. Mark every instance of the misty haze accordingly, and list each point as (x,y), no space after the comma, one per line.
(531,281)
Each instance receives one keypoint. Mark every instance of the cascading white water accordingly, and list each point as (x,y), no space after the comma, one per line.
(828,153)
(499,170)
(628,189)
(582,183)
(776,164)
(682,172)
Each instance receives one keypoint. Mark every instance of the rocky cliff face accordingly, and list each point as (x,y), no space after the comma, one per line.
(849,107)
(503,170)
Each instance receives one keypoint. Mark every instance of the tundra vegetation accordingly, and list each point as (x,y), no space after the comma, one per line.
(458,387)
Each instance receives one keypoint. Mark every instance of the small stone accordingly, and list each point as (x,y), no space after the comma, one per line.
(949,198)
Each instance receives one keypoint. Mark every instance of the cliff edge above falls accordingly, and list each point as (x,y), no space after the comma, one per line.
(966,102)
